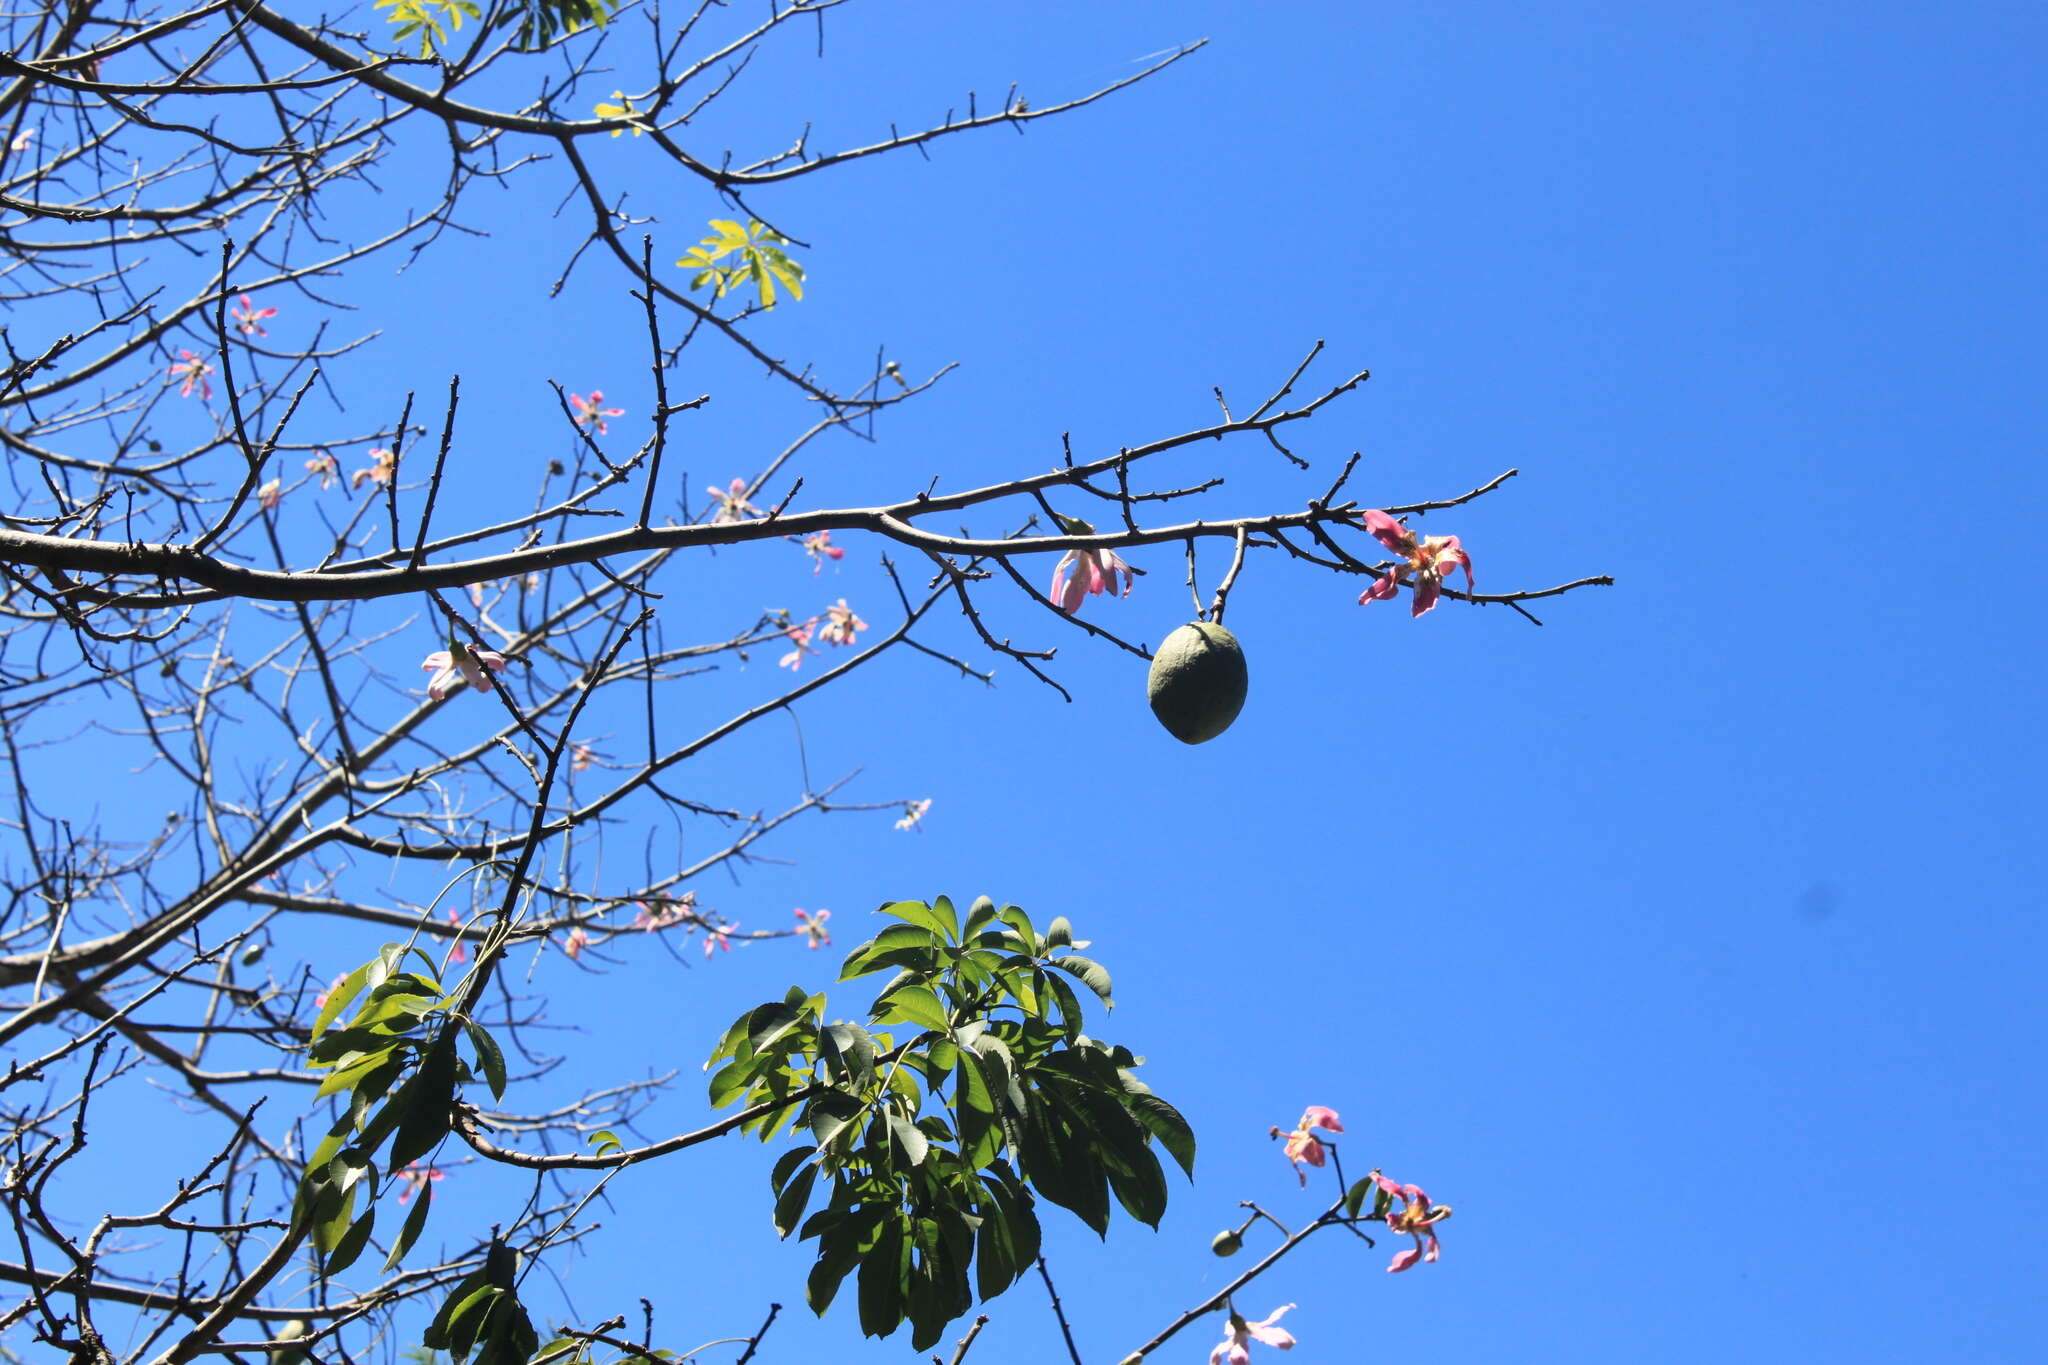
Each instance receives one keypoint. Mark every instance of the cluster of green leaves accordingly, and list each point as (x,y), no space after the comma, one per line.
(484,1315)
(397,1066)
(931,1151)
(760,261)
(539,22)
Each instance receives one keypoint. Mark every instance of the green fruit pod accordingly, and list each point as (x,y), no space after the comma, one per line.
(1198,681)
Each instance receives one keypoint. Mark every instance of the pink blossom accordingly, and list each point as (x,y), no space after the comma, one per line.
(840,625)
(270,495)
(1238,1335)
(461,663)
(326,466)
(913,814)
(718,936)
(195,373)
(579,757)
(1430,560)
(1304,1148)
(383,464)
(664,913)
(460,953)
(1416,1217)
(1081,573)
(417,1177)
(733,505)
(801,636)
(575,944)
(820,548)
(813,924)
(592,410)
(249,318)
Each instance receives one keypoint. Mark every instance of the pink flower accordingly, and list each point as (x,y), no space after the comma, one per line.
(195,374)
(1304,1148)
(383,464)
(1238,1335)
(820,548)
(794,660)
(460,954)
(1083,572)
(913,814)
(575,944)
(1430,560)
(461,663)
(592,410)
(417,1177)
(580,756)
(733,505)
(270,495)
(718,936)
(249,318)
(665,913)
(813,924)
(1416,1217)
(325,466)
(840,625)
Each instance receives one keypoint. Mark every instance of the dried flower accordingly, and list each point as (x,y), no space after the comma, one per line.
(383,464)
(913,814)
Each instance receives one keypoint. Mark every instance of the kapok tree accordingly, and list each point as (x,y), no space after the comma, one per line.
(336,946)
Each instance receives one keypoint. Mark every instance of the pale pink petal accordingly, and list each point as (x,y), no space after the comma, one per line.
(1427,588)
(1383,587)
(1266,1332)
(1068,589)
(1321,1116)
(1389,532)
(1404,1259)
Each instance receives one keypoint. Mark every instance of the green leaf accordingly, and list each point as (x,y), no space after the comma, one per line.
(790,1204)
(415,1222)
(786,1163)
(908,1139)
(1354,1198)
(490,1056)
(1164,1122)
(916,1004)
(881,1281)
(925,916)
(351,1244)
(770,1022)
(338,999)
(424,1102)
(980,915)
(605,1141)
(1088,972)
(1059,934)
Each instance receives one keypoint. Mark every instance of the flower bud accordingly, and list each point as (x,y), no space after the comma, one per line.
(1227,1243)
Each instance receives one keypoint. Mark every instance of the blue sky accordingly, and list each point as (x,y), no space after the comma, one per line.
(1687,945)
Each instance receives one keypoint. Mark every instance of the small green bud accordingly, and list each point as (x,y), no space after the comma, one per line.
(1227,1243)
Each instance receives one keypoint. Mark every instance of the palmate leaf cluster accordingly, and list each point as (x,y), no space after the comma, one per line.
(536,23)
(398,1066)
(761,261)
(930,1153)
